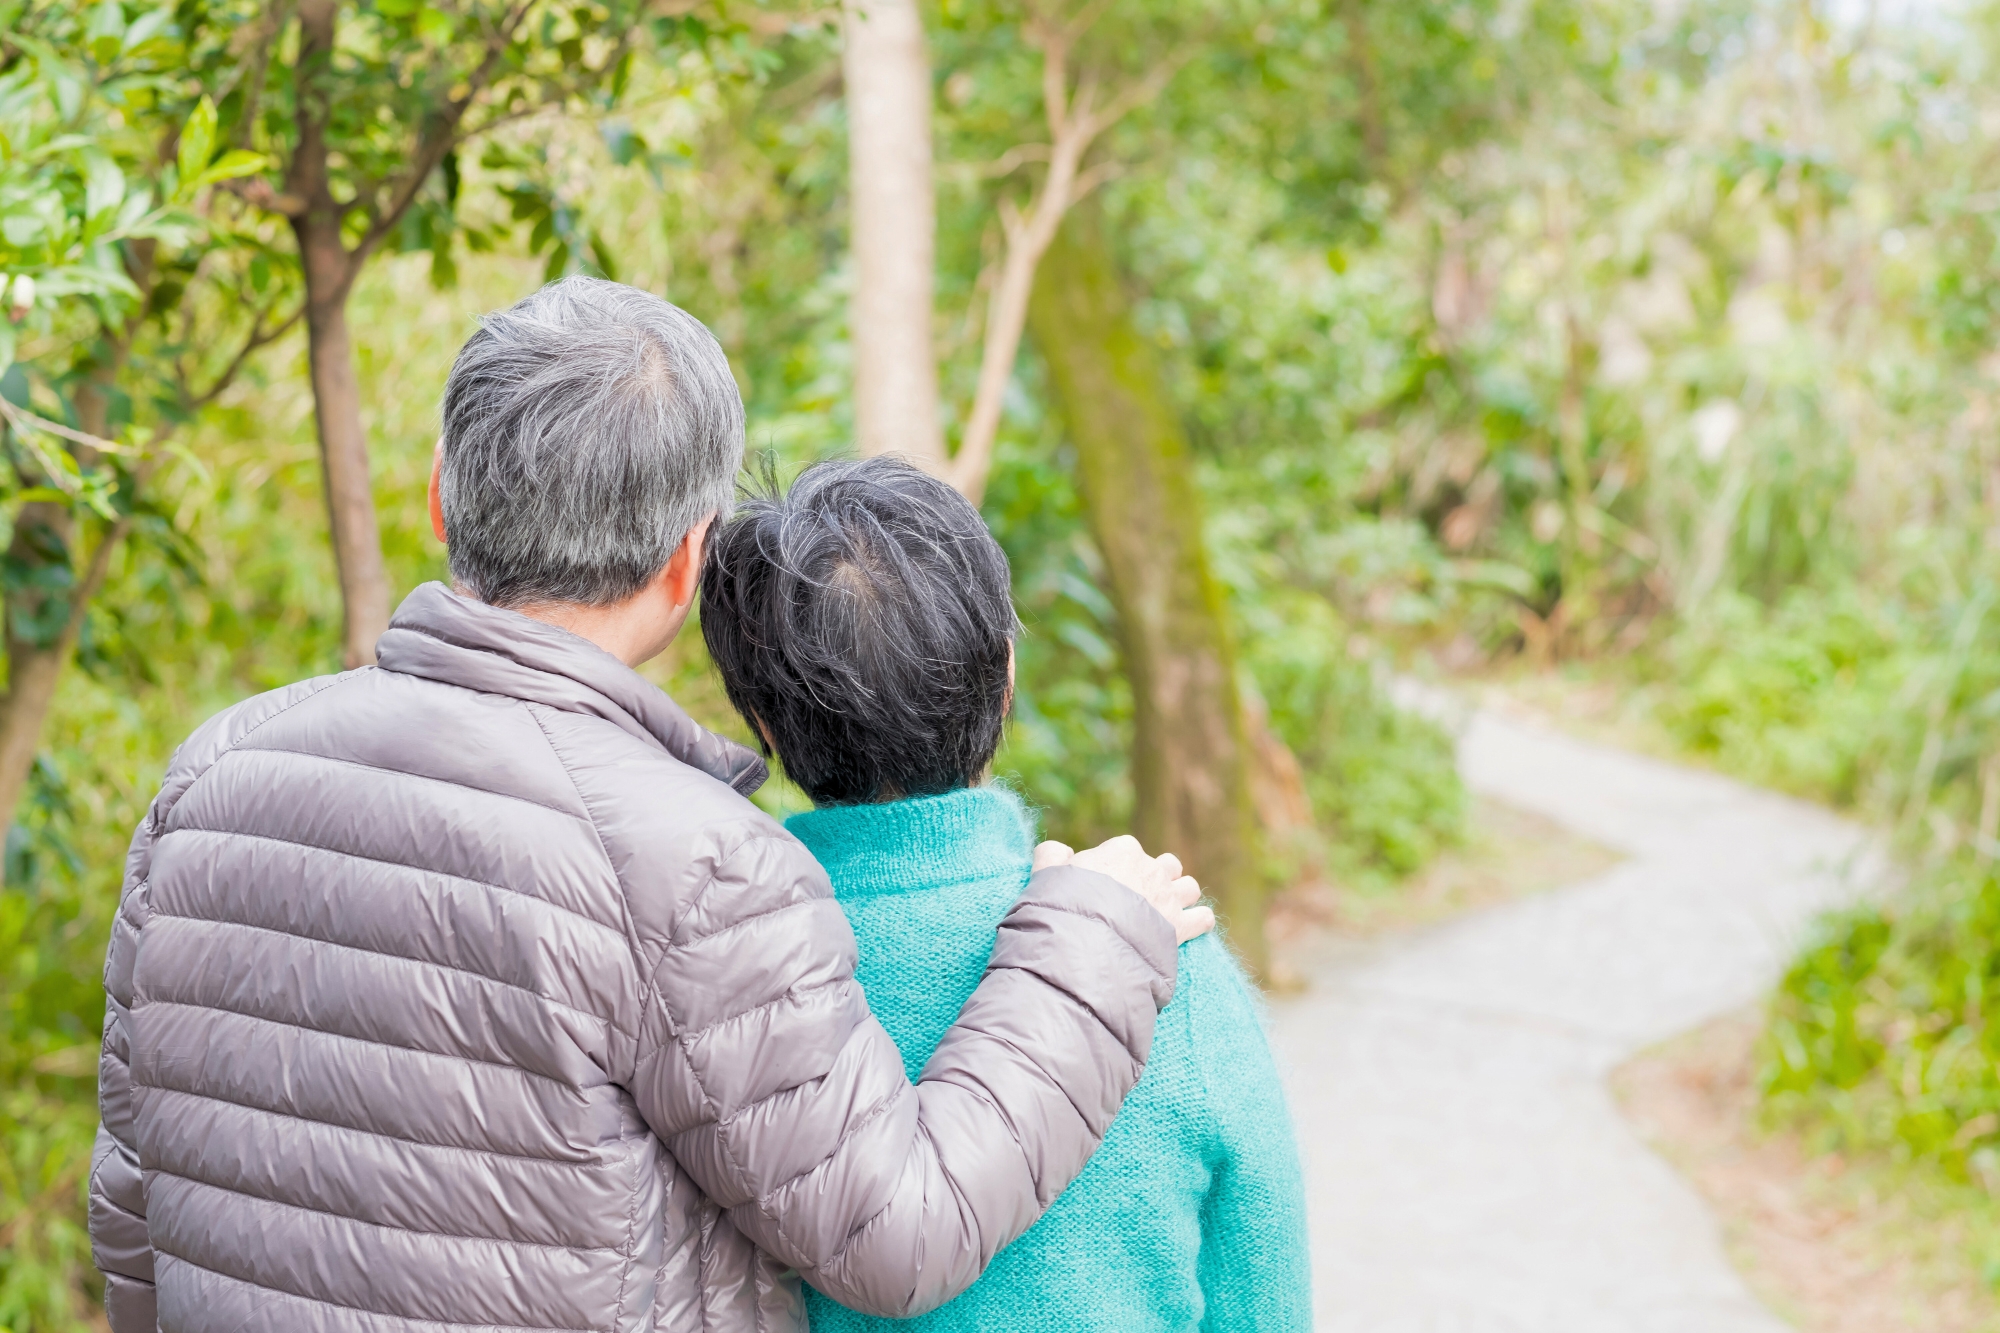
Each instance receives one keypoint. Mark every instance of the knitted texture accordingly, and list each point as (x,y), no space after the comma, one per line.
(1192,1213)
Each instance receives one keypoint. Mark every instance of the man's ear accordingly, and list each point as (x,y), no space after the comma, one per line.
(436,496)
(683,571)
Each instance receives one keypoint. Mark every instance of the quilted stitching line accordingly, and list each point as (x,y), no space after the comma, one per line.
(399,865)
(364,1041)
(399,958)
(384,1226)
(421,777)
(255,727)
(719,931)
(1109,925)
(417,1320)
(873,1114)
(687,1039)
(556,1162)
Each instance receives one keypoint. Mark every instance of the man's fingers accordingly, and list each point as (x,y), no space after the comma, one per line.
(1157,879)
(1193,923)
(1053,853)
(1122,858)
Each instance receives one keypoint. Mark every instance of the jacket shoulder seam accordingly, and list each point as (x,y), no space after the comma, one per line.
(255,727)
(631,933)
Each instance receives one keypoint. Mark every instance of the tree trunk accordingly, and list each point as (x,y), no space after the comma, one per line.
(343,451)
(44,612)
(894,222)
(1361,52)
(329,278)
(38,641)
(1191,760)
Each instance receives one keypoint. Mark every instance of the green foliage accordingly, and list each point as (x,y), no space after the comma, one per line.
(1803,696)
(1882,1035)
(1383,783)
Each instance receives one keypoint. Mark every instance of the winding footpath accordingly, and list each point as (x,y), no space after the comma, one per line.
(1468,1170)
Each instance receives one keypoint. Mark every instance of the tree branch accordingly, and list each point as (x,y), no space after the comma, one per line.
(1004,165)
(1075,123)
(24,420)
(261,335)
(437,139)
(253,72)
(258,193)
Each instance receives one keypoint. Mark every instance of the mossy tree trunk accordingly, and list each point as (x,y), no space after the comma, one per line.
(1191,754)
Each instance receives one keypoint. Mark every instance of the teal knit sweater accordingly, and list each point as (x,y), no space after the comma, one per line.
(1192,1213)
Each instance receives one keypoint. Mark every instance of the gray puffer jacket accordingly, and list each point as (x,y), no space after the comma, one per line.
(469,993)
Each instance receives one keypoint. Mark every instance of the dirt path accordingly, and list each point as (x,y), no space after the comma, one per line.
(1469,1171)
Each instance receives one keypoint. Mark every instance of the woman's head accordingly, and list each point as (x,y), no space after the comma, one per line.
(862,624)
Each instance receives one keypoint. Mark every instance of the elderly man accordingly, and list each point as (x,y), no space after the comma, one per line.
(468,992)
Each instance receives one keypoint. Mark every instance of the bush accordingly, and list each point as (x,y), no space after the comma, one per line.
(1383,783)
(1883,1034)
(1801,697)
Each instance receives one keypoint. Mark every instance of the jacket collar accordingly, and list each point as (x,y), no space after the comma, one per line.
(441,636)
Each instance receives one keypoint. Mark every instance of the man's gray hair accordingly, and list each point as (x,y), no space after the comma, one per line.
(587,429)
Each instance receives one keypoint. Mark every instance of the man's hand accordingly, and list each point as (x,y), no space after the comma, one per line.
(1157,879)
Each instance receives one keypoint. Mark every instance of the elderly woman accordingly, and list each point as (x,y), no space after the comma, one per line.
(863,627)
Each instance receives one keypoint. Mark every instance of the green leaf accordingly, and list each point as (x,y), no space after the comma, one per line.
(106,34)
(434,26)
(6,342)
(1495,574)
(179,449)
(103,184)
(21,229)
(602,253)
(237,162)
(148,26)
(41,495)
(136,204)
(197,143)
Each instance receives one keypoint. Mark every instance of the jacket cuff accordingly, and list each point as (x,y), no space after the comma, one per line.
(1089,935)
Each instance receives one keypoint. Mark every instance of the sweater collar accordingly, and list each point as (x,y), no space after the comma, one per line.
(442,636)
(927,842)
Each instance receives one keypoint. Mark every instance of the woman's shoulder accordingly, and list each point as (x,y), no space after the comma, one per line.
(1212,980)
(1224,1022)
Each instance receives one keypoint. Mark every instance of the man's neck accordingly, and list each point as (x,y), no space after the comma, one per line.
(633,631)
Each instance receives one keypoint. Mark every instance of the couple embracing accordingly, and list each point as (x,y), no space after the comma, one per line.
(469,992)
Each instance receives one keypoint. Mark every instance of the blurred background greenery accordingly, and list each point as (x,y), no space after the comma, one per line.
(1654,343)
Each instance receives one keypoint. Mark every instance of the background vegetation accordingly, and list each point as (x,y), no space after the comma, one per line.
(1653,340)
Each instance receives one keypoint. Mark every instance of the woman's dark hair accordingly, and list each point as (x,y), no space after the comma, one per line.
(862,625)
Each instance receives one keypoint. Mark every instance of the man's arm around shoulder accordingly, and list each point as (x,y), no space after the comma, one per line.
(787,1103)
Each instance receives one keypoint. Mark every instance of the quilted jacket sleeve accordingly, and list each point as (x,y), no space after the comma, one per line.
(119,1243)
(786,1101)
(118,1239)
